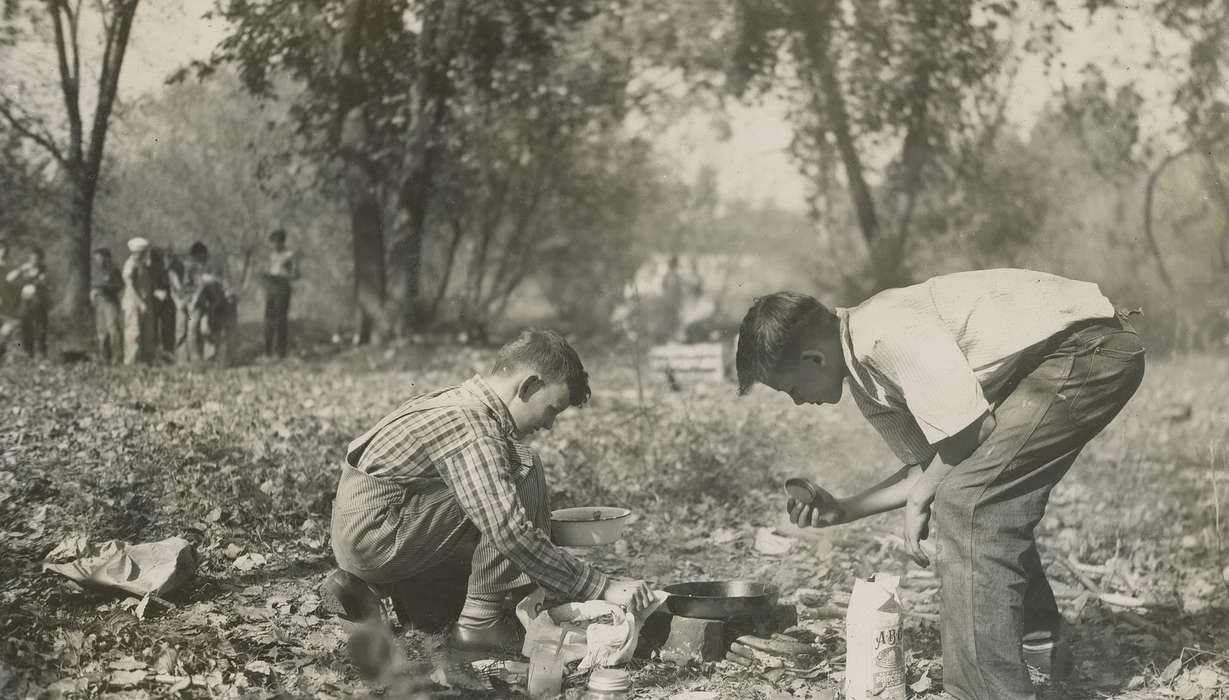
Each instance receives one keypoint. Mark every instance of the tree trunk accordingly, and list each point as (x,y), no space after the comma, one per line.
(915,152)
(362,182)
(76,241)
(814,49)
(436,45)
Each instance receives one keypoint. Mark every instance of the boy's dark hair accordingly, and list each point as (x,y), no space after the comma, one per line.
(548,354)
(198,250)
(773,324)
(102,252)
(278,235)
(37,250)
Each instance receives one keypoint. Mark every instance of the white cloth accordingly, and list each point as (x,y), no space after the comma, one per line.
(922,359)
(136,245)
(596,645)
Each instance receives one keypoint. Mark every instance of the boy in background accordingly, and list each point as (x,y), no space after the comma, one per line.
(162,307)
(1004,375)
(282,271)
(441,505)
(106,287)
(8,300)
(186,286)
(31,280)
(135,303)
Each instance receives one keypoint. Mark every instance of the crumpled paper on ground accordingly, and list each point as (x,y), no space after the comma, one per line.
(155,568)
(596,645)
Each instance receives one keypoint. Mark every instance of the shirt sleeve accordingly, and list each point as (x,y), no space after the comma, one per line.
(900,431)
(924,363)
(479,476)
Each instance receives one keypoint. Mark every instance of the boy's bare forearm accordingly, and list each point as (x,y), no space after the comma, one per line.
(889,494)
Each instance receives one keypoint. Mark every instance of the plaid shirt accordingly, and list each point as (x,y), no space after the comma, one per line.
(466,438)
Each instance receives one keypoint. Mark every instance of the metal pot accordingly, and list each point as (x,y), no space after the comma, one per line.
(719,600)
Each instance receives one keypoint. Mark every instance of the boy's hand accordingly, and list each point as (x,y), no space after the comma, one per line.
(824,513)
(917,529)
(633,595)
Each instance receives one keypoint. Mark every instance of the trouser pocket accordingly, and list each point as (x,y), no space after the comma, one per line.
(1108,376)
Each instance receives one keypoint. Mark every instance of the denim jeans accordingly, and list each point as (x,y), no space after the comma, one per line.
(985,511)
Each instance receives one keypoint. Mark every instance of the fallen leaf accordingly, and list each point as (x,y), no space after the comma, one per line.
(1208,677)
(127,663)
(214,515)
(1172,670)
(141,606)
(1186,689)
(126,679)
(250,561)
(254,614)
(772,544)
(69,685)
(810,596)
(258,666)
(1196,594)
(177,683)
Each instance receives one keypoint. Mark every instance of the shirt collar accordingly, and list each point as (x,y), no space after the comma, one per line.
(858,380)
(484,393)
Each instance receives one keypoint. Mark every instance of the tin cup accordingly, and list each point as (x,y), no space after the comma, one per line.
(807,492)
(1039,651)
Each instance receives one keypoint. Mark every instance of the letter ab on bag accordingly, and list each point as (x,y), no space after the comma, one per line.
(875,665)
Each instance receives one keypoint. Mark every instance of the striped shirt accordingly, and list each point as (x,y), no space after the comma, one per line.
(465,436)
(924,359)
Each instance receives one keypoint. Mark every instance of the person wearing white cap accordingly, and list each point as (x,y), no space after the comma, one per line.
(138,330)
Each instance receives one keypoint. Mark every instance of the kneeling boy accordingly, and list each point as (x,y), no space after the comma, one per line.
(1005,375)
(443,508)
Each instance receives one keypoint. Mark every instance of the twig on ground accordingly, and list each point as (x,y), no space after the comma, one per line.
(1074,568)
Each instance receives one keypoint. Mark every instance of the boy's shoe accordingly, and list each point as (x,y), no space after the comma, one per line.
(504,636)
(354,595)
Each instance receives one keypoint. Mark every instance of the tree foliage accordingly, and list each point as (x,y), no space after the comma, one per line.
(890,95)
(391,89)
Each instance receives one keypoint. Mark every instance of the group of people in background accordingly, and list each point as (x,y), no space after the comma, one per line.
(155,307)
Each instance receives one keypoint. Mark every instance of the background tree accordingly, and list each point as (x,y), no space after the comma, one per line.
(889,93)
(382,82)
(80,153)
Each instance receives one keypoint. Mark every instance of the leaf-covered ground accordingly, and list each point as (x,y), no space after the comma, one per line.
(243,462)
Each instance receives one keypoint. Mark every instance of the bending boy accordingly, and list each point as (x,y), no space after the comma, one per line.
(442,507)
(1005,375)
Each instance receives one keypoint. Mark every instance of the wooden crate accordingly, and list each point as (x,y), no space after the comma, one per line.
(704,362)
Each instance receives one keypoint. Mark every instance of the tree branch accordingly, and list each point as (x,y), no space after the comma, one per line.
(1149,236)
(108,84)
(70,83)
(19,125)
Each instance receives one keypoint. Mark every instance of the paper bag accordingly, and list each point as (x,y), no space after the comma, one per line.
(594,644)
(875,665)
(154,568)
